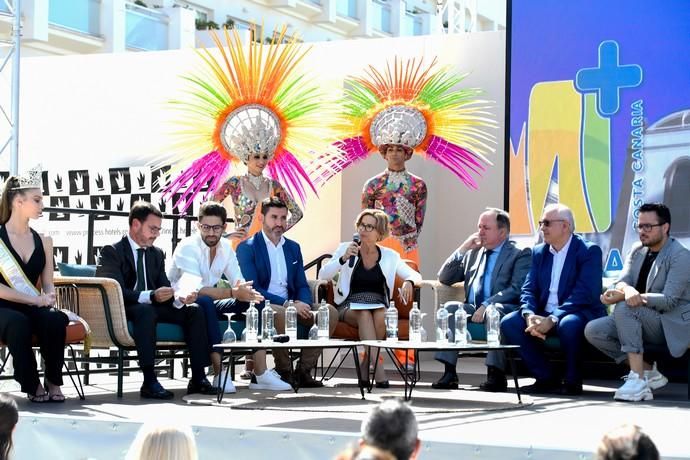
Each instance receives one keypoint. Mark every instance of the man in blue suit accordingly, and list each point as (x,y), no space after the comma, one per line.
(559,297)
(274,263)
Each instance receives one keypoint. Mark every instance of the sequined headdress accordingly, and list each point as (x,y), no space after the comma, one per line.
(416,106)
(250,101)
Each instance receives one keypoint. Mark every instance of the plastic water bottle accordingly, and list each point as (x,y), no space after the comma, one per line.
(442,325)
(391,319)
(291,321)
(493,325)
(323,319)
(415,332)
(252,316)
(267,321)
(460,326)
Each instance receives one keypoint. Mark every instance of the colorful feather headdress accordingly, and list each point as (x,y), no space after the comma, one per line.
(415,106)
(249,101)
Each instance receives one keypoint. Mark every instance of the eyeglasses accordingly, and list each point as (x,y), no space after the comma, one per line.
(208,228)
(260,157)
(366,227)
(155,229)
(647,227)
(547,222)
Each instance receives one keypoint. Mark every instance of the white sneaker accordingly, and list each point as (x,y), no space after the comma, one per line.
(634,389)
(655,379)
(269,380)
(229,386)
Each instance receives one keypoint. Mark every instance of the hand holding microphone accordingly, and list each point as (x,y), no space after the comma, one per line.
(353,250)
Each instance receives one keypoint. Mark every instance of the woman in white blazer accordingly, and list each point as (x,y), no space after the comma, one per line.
(367,276)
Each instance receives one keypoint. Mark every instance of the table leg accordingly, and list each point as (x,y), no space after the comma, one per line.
(357,370)
(513,369)
(293,380)
(221,387)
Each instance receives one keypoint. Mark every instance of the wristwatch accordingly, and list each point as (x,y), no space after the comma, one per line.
(152,296)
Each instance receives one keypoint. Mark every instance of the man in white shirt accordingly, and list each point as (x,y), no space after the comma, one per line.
(276,266)
(560,295)
(209,256)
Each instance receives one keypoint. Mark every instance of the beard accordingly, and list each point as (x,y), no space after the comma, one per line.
(210,241)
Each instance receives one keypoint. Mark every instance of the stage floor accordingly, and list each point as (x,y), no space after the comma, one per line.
(318,423)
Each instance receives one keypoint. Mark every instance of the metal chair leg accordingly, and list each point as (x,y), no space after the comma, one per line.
(80,388)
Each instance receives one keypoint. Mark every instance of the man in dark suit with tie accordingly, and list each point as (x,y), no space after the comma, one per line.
(560,295)
(274,263)
(493,269)
(139,267)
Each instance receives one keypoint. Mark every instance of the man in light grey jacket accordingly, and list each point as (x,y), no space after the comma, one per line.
(652,304)
(493,269)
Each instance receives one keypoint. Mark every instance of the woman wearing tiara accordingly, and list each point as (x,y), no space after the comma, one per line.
(27,294)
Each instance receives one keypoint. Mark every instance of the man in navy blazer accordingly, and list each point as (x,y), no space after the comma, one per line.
(276,266)
(559,297)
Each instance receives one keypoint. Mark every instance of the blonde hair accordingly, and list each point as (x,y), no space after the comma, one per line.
(163,442)
(381,221)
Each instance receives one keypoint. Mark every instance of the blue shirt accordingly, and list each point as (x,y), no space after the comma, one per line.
(489,265)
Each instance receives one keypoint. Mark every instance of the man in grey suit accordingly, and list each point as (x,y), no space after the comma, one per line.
(493,270)
(652,304)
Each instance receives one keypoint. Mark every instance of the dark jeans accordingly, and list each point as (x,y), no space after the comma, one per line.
(18,323)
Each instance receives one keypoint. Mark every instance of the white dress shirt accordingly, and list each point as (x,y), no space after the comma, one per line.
(145,294)
(193,256)
(276,256)
(556,269)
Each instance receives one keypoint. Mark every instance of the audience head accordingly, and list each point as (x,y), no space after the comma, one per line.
(365,453)
(145,222)
(372,225)
(274,213)
(654,224)
(9,416)
(21,195)
(212,216)
(392,426)
(557,224)
(626,442)
(163,442)
(493,227)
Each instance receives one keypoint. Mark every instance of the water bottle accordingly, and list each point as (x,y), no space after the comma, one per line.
(291,321)
(460,326)
(415,332)
(442,325)
(323,319)
(252,316)
(392,322)
(493,325)
(267,322)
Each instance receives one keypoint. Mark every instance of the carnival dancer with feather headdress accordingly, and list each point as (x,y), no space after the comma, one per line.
(409,107)
(251,106)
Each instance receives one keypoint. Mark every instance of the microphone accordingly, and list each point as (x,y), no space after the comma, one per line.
(355,239)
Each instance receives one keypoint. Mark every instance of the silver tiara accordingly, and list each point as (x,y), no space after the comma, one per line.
(398,124)
(251,129)
(30,179)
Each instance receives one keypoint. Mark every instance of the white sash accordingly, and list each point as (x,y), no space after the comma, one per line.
(16,279)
